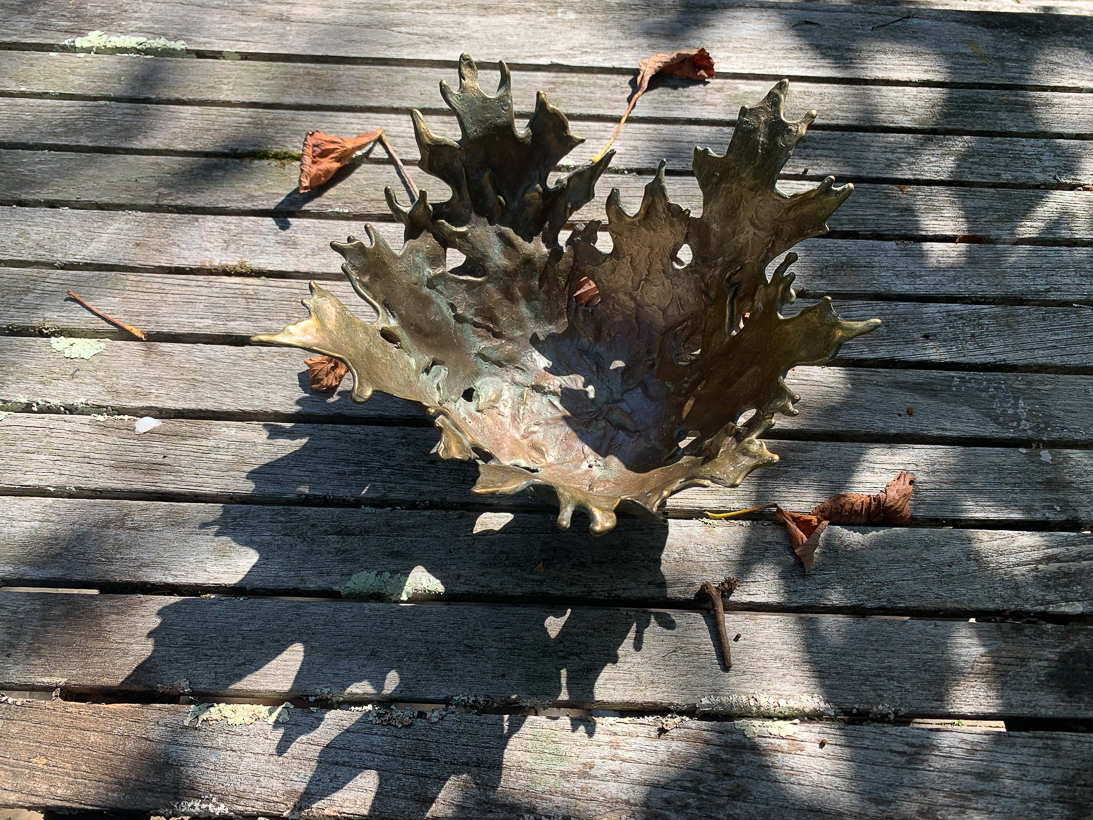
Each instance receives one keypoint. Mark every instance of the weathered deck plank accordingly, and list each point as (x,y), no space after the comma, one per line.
(220,460)
(266,384)
(576,656)
(393,87)
(256,548)
(233,308)
(498,766)
(219,131)
(234,186)
(301,247)
(803,40)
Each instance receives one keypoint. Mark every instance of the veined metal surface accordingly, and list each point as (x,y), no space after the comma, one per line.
(611,379)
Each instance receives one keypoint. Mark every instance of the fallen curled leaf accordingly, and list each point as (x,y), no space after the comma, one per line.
(691,64)
(892,504)
(323,154)
(971,239)
(325,373)
(804,533)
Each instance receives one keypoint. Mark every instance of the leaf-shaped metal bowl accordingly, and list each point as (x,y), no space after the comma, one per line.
(612,379)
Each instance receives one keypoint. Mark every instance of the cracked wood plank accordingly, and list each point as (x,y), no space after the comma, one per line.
(341,763)
(849,155)
(250,548)
(570,656)
(387,87)
(247,187)
(275,462)
(772,39)
(268,384)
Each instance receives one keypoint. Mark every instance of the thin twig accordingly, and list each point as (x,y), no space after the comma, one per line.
(890,22)
(720,516)
(714,593)
(402,172)
(140,334)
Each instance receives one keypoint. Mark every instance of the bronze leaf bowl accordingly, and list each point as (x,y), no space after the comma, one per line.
(610,379)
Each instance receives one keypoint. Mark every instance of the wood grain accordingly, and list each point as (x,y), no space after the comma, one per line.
(218,131)
(238,186)
(803,40)
(256,462)
(267,384)
(498,766)
(597,95)
(789,664)
(256,548)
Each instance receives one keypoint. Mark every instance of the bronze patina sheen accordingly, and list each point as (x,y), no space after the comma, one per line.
(611,380)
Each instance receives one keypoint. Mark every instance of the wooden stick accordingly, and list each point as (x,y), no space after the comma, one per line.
(402,172)
(140,334)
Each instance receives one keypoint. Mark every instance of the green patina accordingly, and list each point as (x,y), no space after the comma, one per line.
(236,714)
(78,348)
(386,586)
(97,42)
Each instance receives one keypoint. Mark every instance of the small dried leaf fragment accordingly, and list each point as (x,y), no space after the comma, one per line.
(691,64)
(325,373)
(804,534)
(586,294)
(971,239)
(892,504)
(323,154)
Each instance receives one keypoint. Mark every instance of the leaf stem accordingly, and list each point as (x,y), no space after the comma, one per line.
(402,172)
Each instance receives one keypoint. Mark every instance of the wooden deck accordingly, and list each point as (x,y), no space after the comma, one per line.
(943,670)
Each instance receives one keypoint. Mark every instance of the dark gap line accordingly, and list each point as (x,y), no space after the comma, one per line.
(514,705)
(563,68)
(606,118)
(670,605)
(514,506)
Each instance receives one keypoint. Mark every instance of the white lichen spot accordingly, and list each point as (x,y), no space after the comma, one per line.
(77,348)
(1045,455)
(386,586)
(236,714)
(97,42)
(145,424)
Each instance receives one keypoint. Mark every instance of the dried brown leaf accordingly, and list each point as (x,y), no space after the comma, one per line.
(323,154)
(892,504)
(691,64)
(325,373)
(804,534)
